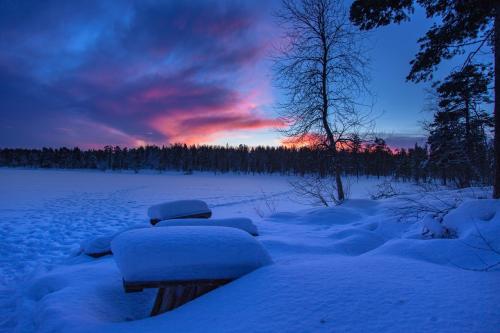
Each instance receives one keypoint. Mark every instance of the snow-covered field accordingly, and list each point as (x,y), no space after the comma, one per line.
(361,267)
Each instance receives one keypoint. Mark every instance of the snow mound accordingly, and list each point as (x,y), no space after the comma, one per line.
(97,246)
(466,238)
(355,241)
(88,292)
(365,206)
(101,245)
(179,209)
(187,253)
(332,216)
(433,228)
(473,215)
(242,223)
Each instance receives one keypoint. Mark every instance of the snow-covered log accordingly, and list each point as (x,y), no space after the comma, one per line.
(178,210)
(242,223)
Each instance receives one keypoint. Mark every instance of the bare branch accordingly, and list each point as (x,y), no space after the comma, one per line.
(322,72)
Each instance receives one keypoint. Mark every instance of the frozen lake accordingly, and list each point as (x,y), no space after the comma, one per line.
(45,214)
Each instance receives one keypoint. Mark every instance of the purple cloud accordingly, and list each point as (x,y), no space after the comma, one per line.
(129,72)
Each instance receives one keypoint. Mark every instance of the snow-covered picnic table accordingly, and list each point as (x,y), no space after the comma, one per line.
(185,262)
(178,209)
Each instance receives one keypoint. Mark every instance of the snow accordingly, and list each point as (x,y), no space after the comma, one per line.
(46,214)
(178,209)
(97,246)
(432,227)
(187,253)
(471,215)
(308,294)
(101,245)
(365,266)
(242,223)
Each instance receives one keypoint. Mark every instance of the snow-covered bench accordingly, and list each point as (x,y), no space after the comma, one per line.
(178,210)
(242,223)
(184,262)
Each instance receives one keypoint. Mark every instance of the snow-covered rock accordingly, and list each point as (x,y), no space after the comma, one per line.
(187,253)
(97,246)
(179,209)
(101,245)
(242,223)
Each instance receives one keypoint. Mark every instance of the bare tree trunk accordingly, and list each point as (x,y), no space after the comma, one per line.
(468,142)
(324,92)
(334,156)
(496,187)
(338,180)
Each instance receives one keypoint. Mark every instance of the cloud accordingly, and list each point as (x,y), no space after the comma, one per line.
(405,141)
(395,141)
(128,72)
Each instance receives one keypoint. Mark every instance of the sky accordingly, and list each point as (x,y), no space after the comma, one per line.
(95,73)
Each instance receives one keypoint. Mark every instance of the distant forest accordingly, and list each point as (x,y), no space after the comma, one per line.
(373,159)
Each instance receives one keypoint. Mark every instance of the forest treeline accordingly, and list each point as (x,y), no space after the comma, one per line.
(372,159)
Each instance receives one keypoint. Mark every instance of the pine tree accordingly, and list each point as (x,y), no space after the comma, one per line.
(457,135)
(462,27)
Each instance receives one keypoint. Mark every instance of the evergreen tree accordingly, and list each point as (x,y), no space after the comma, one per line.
(457,135)
(374,159)
(448,159)
(463,93)
(462,26)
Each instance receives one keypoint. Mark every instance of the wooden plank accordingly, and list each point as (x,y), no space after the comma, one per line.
(158,302)
(171,297)
(192,216)
(137,286)
(99,254)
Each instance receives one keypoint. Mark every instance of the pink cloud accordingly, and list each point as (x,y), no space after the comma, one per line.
(207,124)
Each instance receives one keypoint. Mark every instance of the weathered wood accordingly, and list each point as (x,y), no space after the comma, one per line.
(140,285)
(193,216)
(172,294)
(98,254)
(158,302)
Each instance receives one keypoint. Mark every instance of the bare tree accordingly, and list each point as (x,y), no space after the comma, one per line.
(321,69)
(313,188)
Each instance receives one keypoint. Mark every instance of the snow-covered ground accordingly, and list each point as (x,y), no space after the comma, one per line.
(361,267)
